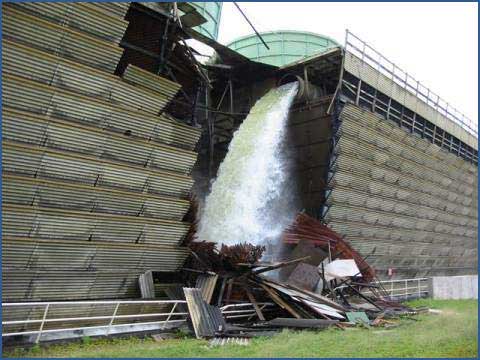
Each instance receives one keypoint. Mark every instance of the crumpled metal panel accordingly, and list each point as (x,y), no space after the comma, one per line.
(85,17)
(36,130)
(206,319)
(96,199)
(59,40)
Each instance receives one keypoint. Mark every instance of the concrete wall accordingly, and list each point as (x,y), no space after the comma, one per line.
(408,199)
(454,287)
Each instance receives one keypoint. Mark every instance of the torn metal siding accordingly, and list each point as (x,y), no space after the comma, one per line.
(95,181)
(413,201)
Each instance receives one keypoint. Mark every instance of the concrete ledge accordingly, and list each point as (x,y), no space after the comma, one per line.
(454,287)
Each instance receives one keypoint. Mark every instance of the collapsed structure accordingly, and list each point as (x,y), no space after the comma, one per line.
(378,157)
(106,109)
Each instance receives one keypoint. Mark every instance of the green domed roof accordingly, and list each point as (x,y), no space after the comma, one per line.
(286,46)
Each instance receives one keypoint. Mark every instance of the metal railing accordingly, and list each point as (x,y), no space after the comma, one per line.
(376,60)
(163,319)
(403,289)
(243,310)
(110,319)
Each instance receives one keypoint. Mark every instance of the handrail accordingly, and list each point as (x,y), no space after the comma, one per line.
(229,311)
(368,55)
(111,318)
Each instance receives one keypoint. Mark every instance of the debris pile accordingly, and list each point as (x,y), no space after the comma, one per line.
(323,282)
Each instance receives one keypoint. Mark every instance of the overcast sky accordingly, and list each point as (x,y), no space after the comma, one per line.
(437,43)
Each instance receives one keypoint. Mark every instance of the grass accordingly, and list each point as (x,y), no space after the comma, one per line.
(453,333)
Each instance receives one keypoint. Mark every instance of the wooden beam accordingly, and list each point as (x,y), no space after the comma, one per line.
(278,300)
(255,305)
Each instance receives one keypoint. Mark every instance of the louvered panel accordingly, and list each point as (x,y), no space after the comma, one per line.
(24,253)
(365,168)
(146,79)
(367,200)
(59,40)
(38,130)
(50,164)
(24,95)
(350,145)
(21,285)
(85,17)
(28,221)
(57,72)
(61,195)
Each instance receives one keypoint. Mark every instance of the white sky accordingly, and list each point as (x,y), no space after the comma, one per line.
(437,43)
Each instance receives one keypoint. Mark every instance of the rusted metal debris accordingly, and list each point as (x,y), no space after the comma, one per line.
(241,253)
(297,288)
(306,228)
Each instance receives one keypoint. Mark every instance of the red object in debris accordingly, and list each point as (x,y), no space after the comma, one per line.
(307,228)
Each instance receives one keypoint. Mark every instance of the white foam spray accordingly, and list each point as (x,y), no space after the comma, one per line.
(247,200)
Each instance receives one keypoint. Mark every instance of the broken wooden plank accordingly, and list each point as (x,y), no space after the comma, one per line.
(293,290)
(254,303)
(279,301)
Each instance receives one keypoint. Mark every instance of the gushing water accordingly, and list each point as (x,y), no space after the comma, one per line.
(243,205)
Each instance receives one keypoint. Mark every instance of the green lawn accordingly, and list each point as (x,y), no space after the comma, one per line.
(453,333)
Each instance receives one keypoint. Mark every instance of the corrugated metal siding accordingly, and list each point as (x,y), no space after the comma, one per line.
(36,130)
(150,81)
(414,202)
(56,194)
(59,40)
(94,180)
(51,102)
(36,161)
(61,73)
(29,221)
(85,17)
